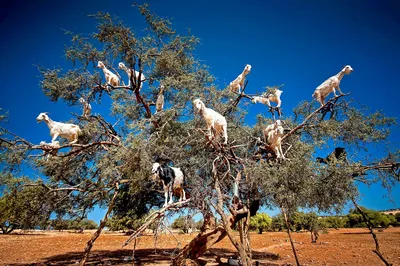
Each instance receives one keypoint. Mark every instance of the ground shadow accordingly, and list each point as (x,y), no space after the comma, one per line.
(148,256)
(357,233)
(23,234)
(222,252)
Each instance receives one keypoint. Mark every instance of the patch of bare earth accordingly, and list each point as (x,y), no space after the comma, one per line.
(338,247)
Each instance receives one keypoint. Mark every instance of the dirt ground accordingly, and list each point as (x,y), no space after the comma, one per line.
(338,247)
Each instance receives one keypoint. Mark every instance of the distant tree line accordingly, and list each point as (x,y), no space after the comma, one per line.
(300,221)
(310,221)
(20,210)
(260,222)
(306,221)
(76,224)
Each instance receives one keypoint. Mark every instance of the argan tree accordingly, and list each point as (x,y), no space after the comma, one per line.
(260,222)
(110,166)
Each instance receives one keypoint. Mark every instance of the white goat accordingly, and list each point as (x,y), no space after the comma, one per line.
(111,78)
(238,83)
(216,123)
(329,85)
(160,100)
(55,144)
(272,97)
(47,153)
(173,180)
(68,131)
(273,133)
(87,108)
(135,75)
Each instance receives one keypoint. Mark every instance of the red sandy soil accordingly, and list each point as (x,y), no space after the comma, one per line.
(338,247)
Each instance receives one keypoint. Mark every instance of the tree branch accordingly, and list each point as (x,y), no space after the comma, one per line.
(311,115)
(103,222)
(230,108)
(377,250)
(74,151)
(154,216)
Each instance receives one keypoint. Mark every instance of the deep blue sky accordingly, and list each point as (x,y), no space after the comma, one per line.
(296,43)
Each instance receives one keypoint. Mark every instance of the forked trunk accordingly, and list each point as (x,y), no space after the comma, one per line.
(200,244)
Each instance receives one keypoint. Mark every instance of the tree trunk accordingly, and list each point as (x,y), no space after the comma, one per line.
(377,250)
(209,236)
(7,229)
(96,234)
(290,236)
(200,244)
(229,222)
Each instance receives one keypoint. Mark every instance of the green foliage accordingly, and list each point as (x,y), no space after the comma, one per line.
(124,223)
(312,222)
(59,224)
(120,153)
(260,222)
(397,215)
(392,220)
(25,207)
(75,224)
(184,223)
(278,223)
(356,220)
(376,218)
(336,222)
(83,224)
(300,221)
(132,205)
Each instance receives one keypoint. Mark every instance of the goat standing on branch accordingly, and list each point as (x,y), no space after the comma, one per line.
(216,123)
(135,78)
(274,96)
(111,78)
(68,131)
(273,134)
(173,180)
(238,83)
(87,108)
(329,85)
(160,100)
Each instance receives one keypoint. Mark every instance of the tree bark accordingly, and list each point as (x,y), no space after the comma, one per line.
(7,229)
(377,250)
(200,244)
(228,223)
(96,234)
(290,236)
